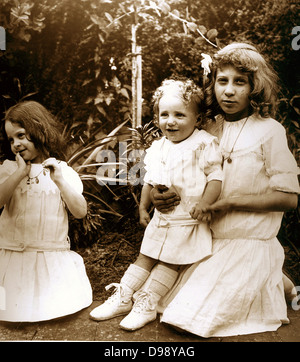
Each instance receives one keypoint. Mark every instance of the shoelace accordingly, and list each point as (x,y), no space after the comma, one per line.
(117,293)
(144,301)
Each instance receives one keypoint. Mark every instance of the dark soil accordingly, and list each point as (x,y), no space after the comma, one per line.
(107,260)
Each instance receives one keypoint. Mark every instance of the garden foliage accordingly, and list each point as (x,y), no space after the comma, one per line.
(75,58)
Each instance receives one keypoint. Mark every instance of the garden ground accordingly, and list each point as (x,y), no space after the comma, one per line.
(79,327)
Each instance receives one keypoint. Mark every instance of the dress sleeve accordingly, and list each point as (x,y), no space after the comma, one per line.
(72,177)
(281,166)
(7,169)
(213,161)
(148,178)
(154,173)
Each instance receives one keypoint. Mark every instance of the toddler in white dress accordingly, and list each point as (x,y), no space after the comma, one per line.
(187,161)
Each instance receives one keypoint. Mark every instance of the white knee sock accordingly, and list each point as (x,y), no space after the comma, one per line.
(134,277)
(162,280)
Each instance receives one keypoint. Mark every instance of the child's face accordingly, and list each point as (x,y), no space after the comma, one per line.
(177,120)
(19,143)
(232,90)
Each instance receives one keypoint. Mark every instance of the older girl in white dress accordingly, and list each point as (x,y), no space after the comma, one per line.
(39,274)
(239,289)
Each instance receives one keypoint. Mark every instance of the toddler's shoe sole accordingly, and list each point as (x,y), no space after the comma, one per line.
(102,314)
(99,319)
(128,325)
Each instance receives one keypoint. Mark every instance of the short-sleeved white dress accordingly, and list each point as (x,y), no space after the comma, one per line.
(239,289)
(40,277)
(184,167)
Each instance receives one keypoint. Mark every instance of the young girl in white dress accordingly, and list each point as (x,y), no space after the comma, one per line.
(39,274)
(239,289)
(187,160)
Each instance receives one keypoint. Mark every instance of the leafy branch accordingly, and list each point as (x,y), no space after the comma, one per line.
(164,8)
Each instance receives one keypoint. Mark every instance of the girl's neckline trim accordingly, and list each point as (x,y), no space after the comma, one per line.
(238,121)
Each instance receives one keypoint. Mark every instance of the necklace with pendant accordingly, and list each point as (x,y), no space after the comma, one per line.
(35,179)
(229,159)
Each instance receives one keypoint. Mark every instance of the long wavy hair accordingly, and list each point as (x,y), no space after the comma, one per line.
(262,78)
(41,128)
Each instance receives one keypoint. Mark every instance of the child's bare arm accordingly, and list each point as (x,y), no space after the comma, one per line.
(210,195)
(212,191)
(145,203)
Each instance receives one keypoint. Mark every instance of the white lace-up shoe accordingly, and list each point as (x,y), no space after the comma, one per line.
(142,313)
(118,304)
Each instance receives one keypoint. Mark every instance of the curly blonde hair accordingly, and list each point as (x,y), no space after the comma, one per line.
(185,88)
(262,78)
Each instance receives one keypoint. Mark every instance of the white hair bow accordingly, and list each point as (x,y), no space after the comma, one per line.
(205,63)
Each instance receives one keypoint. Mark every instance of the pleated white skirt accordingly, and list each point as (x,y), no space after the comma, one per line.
(239,290)
(42,285)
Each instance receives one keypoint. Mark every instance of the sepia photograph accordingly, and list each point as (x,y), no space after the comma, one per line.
(149,173)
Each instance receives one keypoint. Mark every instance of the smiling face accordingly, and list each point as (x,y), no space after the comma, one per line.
(19,143)
(232,90)
(177,120)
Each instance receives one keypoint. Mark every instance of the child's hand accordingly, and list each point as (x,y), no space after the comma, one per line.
(23,166)
(200,212)
(144,218)
(54,167)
